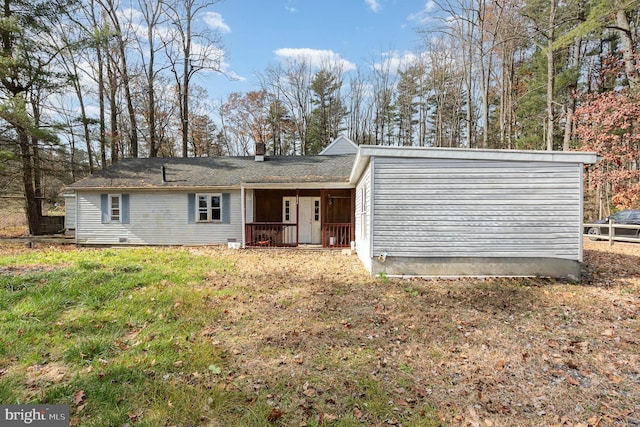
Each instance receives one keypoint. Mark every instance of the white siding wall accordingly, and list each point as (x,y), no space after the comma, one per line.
(462,208)
(70,212)
(249,203)
(156,218)
(362,219)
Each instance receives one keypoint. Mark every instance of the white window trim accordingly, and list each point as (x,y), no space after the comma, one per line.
(209,208)
(111,197)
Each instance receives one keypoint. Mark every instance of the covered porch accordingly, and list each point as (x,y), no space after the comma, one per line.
(299,216)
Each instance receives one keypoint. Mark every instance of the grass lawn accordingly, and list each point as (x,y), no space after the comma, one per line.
(216,337)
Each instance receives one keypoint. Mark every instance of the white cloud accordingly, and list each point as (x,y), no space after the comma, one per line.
(374,5)
(394,61)
(215,20)
(316,57)
(423,16)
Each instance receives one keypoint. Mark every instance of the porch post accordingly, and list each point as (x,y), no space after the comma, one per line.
(323,219)
(243,215)
(297,217)
(352,209)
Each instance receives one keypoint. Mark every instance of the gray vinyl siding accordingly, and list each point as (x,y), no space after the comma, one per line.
(155,218)
(471,208)
(362,219)
(341,146)
(70,212)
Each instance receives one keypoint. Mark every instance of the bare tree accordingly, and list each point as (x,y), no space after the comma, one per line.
(384,87)
(190,51)
(359,116)
(292,82)
(120,40)
(153,16)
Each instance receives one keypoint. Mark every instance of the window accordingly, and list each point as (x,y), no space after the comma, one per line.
(316,210)
(114,208)
(287,210)
(209,207)
(363,213)
(115,203)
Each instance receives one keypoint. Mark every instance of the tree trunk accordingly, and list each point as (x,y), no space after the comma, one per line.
(113,112)
(101,96)
(153,145)
(550,75)
(133,141)
(626,39)
(571,104)
(32,206)
(185,108)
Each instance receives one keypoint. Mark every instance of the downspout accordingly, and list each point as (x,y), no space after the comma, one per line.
(243,210)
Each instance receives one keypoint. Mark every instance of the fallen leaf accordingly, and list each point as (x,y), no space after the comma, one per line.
(357,413)
(135,415)
(78,397)
(572,380)
(274,415)
(326,418)
(500,365)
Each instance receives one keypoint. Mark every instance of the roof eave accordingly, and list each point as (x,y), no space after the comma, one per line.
(367,151)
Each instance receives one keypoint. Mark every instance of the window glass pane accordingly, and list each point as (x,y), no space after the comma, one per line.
(216,212)
(203,208)
(115,208)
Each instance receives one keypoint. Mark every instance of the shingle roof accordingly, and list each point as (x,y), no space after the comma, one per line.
(219,172)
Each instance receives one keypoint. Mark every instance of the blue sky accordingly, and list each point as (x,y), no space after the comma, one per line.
(259,33)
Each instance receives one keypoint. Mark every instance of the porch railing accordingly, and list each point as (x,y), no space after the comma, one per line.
(270,234)
(336,235)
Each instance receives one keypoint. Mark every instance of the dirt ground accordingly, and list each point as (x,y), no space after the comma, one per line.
(312,333)
(491,352)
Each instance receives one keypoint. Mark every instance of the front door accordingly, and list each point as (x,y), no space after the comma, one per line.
(307,213)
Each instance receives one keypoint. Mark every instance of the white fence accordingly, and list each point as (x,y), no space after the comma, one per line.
(610,235)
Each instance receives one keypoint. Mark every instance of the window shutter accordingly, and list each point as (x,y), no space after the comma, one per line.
(125,209)
(226,208)
(191,211)
(104,207)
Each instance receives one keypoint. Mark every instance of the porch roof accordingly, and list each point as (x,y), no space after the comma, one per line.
(220,172)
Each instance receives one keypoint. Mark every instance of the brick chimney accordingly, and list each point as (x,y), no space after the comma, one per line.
(261,148)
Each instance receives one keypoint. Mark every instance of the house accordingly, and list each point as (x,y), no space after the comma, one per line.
(406,210)
(281,201)
(469,212)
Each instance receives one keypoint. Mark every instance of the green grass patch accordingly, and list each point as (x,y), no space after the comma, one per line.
(120,325)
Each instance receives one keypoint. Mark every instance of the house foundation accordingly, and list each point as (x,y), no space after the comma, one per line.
(476,267)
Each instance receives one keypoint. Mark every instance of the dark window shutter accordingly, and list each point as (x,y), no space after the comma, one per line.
(191,202)
(125,209)
(104,207)
(226,208)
